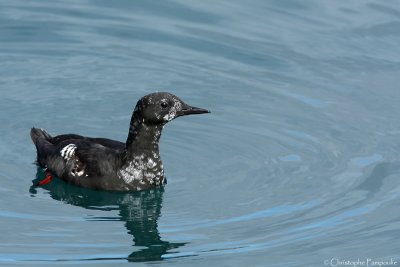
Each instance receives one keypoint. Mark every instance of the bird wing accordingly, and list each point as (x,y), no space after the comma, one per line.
(102,141)
(79,161)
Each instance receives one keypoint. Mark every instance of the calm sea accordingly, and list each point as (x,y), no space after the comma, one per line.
(297,165)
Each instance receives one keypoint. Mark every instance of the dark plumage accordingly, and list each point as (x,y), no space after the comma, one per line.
(106,164)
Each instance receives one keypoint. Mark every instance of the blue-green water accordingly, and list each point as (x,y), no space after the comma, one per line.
(297,165)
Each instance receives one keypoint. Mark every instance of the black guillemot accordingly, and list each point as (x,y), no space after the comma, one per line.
(105,164)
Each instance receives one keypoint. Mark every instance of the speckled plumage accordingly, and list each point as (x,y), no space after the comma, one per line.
(106,164)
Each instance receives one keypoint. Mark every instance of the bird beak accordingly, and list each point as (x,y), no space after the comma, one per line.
(188,110)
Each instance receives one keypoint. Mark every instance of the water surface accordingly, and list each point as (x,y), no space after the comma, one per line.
(297,164)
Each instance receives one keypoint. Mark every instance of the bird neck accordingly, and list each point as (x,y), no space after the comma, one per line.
(143,138)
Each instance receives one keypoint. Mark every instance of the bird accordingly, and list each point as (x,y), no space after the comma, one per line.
(110,165)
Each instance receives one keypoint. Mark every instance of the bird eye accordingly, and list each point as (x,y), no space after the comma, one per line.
(164,104)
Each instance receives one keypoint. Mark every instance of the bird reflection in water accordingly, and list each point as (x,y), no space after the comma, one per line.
(139,210)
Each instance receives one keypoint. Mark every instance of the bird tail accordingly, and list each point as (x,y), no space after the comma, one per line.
(37,133)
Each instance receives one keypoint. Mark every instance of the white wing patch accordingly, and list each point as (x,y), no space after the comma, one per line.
(68,151)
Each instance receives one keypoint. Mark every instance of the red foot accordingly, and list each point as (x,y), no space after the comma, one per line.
(46,179)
